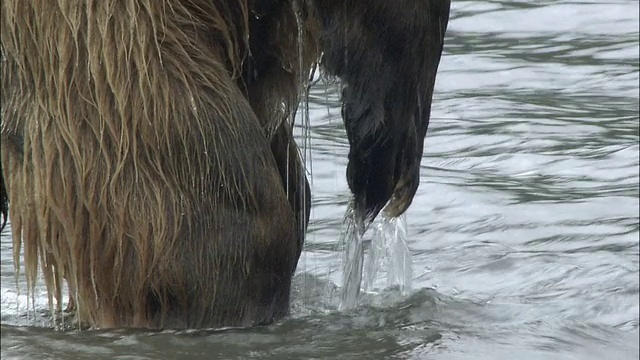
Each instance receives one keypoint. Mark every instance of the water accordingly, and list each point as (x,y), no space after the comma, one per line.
(523,234)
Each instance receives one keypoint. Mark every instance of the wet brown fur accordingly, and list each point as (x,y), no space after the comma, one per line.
(147,147)
(143,175)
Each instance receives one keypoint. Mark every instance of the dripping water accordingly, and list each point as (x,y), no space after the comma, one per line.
(387,248)
(352,259)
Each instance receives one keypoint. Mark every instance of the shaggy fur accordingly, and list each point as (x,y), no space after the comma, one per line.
(147,150)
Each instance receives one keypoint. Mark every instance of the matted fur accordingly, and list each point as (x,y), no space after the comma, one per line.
(136,168)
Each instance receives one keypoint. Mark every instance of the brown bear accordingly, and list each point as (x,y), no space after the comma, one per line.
(147,149)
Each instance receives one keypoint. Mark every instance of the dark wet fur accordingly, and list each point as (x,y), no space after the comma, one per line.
(387,54)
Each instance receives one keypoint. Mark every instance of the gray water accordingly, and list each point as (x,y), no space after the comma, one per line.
(523,233)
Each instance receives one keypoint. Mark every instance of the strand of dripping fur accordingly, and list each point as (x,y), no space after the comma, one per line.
(304,83)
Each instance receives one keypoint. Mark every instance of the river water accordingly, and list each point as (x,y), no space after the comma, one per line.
(524,233)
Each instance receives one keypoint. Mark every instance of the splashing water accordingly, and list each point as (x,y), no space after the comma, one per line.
(388,247)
